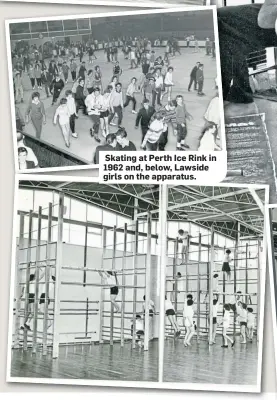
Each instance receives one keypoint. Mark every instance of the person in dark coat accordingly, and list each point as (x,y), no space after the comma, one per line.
(82,71)
(53,70)
(243,29)
(56,87)
(144,116)
(193,76)
(80,96)
(110,145)
(46,81)
(200,79)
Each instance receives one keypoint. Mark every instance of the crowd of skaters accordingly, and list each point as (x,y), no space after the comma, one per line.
(105,105)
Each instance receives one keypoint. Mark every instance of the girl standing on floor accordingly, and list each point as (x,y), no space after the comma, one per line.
(171,314)
(242,318)
(215,311)
(226,323)
(188,322)
(64,120)
(36,113)
(250,323)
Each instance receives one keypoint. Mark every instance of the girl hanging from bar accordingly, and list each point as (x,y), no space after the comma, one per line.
(51,295)
(110,279)
(31,298)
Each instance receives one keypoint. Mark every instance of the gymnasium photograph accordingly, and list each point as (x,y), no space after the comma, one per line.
(272,266)
(129,3)
(141,80)
(214,287)
(86,284)
(106,277)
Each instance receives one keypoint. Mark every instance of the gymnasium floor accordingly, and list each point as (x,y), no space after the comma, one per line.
(201,363)
(95,362)
(84,146)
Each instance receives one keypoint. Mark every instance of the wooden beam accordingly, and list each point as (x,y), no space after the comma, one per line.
(59,260)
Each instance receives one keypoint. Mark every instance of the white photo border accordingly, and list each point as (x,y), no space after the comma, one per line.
(8,22)
(273,285)
(153,385)
(113,3)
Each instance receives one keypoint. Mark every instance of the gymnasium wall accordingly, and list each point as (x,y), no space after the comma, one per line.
(73,256)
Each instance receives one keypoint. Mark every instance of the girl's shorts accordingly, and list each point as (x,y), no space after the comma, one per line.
(170,312)
(42,299)
(226,267)
(114,290)
(104,114)
(31,298)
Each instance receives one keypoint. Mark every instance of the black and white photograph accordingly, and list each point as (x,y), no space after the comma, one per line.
(86,292)
(214,286)
(248,42)
(95,264)
(129,3)
(119,82)
(272,267)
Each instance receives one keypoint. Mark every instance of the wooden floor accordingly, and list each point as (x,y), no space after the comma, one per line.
(96,362)
(203,364)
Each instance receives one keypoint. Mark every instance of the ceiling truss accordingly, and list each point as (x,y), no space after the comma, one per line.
(220,207)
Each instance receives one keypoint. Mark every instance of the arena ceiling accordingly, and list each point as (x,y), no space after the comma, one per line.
(222,207)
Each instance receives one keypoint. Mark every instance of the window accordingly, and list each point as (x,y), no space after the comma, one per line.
(78,210)
(22,27)
(25,200)
(40,26)
(83,23)
(70,24)
(172,229)
(194,232)
(77,235)
(55,26)
(109,218)
(43,198)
